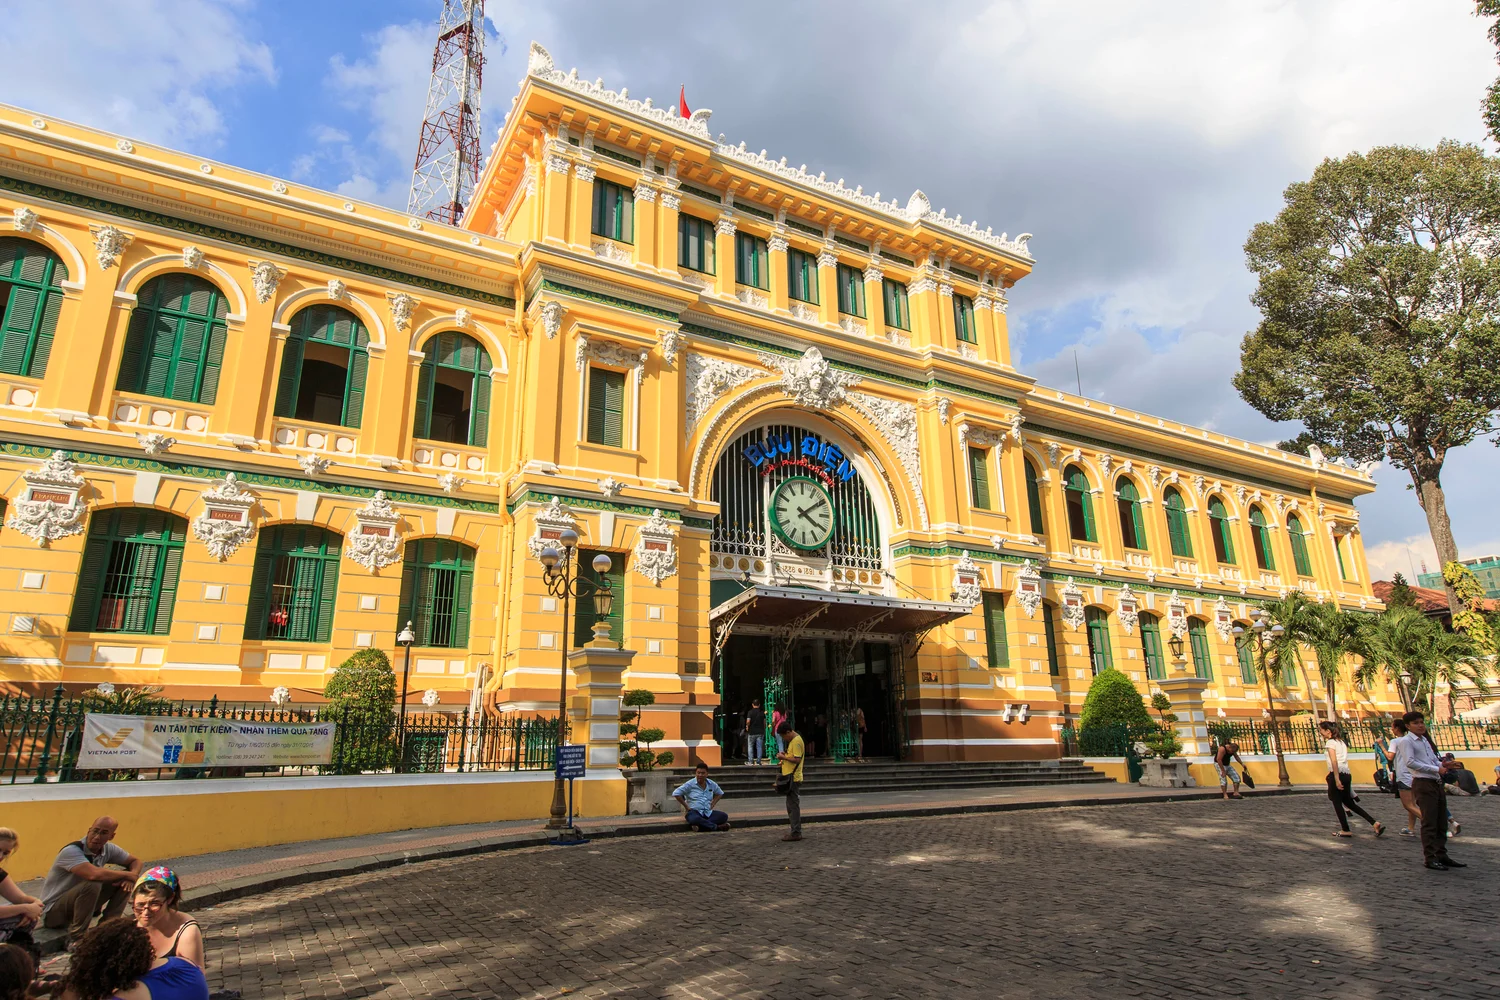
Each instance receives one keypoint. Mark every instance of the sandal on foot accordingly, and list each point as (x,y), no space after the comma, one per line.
(1379,829)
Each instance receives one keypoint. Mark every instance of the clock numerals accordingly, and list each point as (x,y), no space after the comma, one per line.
(803,513)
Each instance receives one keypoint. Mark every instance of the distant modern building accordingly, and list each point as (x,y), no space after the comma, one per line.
(1486,568)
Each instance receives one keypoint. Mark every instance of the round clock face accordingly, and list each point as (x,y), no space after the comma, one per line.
(802,512)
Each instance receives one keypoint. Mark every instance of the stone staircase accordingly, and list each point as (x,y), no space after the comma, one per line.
(824,777)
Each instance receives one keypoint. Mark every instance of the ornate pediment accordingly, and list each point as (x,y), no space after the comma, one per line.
(51,506)
(226,521)
(375,544)
(810,380)
(655,553)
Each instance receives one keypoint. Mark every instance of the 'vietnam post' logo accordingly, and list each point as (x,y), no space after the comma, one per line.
(115,741)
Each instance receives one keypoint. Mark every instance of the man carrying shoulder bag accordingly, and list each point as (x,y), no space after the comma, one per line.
(789,782)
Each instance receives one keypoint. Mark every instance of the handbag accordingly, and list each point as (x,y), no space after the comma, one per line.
(783,784)
(1245,777)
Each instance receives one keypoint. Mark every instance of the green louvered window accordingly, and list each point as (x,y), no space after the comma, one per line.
(963,319)
(1289,674)
(1132,527)
(293,584)
(1298,536)
(1049,626)
(695,244)
(323,367)
(1338,552)
(1156,663)
(994,630)
(31,297)
(606,407)
(614,206)
(1260,539)
(437,588)
(979,477)
(1080,506)
(802,276)
(1177,525)
(1246,657)
(1034,501)
(127,581)
(1097,624)
(1198,642)
(897,311)
(174,345)
(851,283)
(750,262)
(453,391)
(1218,523)
(583,614)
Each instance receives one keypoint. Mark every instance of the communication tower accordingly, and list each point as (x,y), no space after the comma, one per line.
(447,165)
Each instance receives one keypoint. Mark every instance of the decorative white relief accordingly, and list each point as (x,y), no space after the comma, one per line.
(451,482)
(539,64)
(225,523)
(1153,473)
(804,312)
(462,317)
(873,270)
(551,521)
(559,165)
(968,352)
(897,423)
(968,581)
(337,289)
(726,225)
(945,290)
(155,444)
(583,172)
(23,218)
(1224,618)
(923,284)
(1072,605)
(1017,421)
(1240,493)
(655,553)
(552,313)
(828,257)
(192,258)
(897,338)
(313,465)
(943,406)
(125,145)
(278,187)
(997,542)
(1315,456)
(1128,609)
(645,192)
(609,250)
(851,325)
(618,355)
(979,437)
(374,544)
(671,340)
(109,243)
(810,380)
(693,278)
(708,380)
(777,242)
(1054,450)
(610,487)
(430,698)
(1029,588)
(1198,485)
(1177,623)
(402,307)
(751,297)
(265,277)
(51,507)
(1106,461)
(671,201)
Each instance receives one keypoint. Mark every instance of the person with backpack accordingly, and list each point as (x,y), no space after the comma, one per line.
(89,877)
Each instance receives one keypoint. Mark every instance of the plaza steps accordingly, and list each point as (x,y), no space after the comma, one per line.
(823,777)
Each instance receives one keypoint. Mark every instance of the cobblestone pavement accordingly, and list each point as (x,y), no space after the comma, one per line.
(1203,898)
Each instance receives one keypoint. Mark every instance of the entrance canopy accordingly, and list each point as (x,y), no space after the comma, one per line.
(767,610)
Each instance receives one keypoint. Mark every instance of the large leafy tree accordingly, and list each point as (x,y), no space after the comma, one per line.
(1491,9)
(1379,291)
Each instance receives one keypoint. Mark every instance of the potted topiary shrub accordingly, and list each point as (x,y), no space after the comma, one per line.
(1163,767)
(647,791)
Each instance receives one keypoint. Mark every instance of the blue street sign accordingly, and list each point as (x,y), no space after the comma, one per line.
(570,760)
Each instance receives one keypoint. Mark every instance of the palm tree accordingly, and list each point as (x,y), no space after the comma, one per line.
(1297,617)
(1415,652)
(1332,633)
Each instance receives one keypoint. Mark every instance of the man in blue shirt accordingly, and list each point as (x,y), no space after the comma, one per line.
(698,795)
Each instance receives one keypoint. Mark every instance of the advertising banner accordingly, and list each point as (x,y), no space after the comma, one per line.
(121,741)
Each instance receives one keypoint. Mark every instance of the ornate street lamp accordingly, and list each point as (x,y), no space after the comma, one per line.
(1260,640)
(557,565)
(1175,644)
(406,637)
(1405,678)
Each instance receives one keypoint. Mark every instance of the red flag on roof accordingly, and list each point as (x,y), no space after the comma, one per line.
(682,108)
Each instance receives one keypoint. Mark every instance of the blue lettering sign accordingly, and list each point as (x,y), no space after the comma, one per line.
(779,447)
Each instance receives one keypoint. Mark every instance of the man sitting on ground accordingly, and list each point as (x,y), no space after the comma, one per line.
(698,795)
(88,877)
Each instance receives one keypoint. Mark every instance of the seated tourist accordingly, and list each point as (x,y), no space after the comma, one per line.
(173,934)
(698,796)
(19,911)
(115,961)
(89,877)
(1460,779)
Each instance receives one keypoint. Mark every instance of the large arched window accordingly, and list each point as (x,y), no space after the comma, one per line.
(1177,523)
(31,296)
(174,346)
(293,584)
(1080,505)
(1034,500)
(453,391)
(1298,536)
(1218,527)
(437,586)
(1203,660)
(1156,664)
(1097,623)
(323,368)
(1132,528)
(128,579)
(1260,539)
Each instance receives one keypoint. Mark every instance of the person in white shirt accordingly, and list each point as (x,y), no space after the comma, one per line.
(1426,770)
(1401,777)
(1341,782)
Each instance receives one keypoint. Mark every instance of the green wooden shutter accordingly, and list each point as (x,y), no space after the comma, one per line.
(184,381)
(260,583)
(422,606)
(20,324)
(46,331)
(1299,546)
(1054,667)
(213,363)
(1338,551)
(595,432)
(614,409)
(160,356)
(405,610)
(166,595)
(1202,657)
(479,412)
(354,397)
(1247,663)
(1034,501)
(462,599)
(1156,667)
(289,380)
(1177,526)
(91,575)
(979,477)
(422,416)
(137,337)
(328,586)
(1086,503)
(1098,636)
(994,630)
(627,215)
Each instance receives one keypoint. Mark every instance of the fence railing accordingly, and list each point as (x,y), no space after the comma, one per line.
(1298,737)
(40,738)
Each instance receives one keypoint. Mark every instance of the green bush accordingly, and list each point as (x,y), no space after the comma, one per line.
(361,697)
(1162,741)
(1113,701)
(635,742)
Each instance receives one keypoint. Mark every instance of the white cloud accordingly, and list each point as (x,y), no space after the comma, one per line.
(151,69)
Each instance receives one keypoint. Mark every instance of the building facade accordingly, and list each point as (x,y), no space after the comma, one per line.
(1486,570)
(248,428)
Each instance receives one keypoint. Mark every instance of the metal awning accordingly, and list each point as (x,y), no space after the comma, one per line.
(763,610)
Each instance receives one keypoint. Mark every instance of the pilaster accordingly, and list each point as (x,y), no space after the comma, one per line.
(776,245)
(555,193)
(646,249)
(594,709)
(828,287)
(875,298)
(926,326)
(581,205)
(724,229)
(667,216)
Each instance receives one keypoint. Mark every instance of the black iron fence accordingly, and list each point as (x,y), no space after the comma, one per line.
(40,738)
(1296,737)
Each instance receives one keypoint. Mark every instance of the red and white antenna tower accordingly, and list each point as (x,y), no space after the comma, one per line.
(448,151)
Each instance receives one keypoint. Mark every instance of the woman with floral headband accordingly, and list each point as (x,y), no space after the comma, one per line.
(155,899)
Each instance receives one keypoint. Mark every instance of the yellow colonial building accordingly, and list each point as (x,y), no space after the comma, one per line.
(248,428)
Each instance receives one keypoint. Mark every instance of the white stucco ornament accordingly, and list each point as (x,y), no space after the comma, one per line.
(610,486)
(156,444)
(1223,619)
(192,258)
(23,218)
(451,482)
(280,696)
(109,243)
(1029,588)
(402,307)
(313,465)
(551,521)
(374,544)
(265,277)
(552,313)
(1128,608)
(968,581)
(51,506)
(1072,605)
(1177,623)
(810,380)
(226,522)
(708,381)
(655,553)
(430,697)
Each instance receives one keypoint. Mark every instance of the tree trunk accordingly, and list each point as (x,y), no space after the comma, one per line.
(1435,506)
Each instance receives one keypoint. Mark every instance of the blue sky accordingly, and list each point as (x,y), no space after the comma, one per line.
(1139,140)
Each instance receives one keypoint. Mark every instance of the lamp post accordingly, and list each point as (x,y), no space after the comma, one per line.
(1263,638)
(1175,644)
(406,637)
(1404,679)
(557,565)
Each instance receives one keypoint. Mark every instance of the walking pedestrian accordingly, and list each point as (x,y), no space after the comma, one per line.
(755,733)
(1223,758)
(791,777)
(1401,779)
(859,732)
(1341,782)
(1427,785)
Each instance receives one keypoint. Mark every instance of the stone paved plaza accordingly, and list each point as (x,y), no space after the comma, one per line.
(1205,898)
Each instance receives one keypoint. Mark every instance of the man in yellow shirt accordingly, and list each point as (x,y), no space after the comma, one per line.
(791,764)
